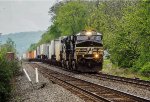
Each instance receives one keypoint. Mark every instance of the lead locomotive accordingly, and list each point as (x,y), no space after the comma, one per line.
(82,52)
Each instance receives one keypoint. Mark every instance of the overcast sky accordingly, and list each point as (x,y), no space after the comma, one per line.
(24,15)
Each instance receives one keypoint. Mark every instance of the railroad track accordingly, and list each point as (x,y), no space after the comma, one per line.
(135,82)
(123,80)
(88,91)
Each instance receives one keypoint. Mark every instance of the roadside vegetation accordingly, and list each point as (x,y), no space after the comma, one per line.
(113,69)
(7,70)
(124,25)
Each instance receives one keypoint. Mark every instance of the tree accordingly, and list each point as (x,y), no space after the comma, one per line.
(9,46)
(71,17)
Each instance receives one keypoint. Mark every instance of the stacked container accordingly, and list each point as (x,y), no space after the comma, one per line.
(24,56)
(31,54)
(38,50)
(47,50)
(43,49)
(58,48)
(52,48)
(55,47)
(35,54)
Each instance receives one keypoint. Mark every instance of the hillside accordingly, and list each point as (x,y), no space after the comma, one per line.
(22,39)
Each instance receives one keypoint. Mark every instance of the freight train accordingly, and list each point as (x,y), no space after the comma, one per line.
(81,52)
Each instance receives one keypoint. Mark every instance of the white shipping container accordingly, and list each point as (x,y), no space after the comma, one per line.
(58,47)
(55,48)
(38,50)
(24,56)
(47,49)
(27,55)
(52,47)
(43,49)
(49,56)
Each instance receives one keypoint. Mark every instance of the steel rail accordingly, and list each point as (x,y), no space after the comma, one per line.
(87,92)
(139,83)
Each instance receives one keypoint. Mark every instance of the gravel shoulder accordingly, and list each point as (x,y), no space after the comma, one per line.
(113,85)
(44,91)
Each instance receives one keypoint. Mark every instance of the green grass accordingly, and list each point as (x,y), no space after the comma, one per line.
(112,69)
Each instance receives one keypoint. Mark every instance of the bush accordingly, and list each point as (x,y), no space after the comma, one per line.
(7,70)
(145,70)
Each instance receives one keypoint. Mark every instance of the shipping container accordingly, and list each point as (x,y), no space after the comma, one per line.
(58,48)
(49,50)
(35,54)
(38,50)
(52,48)
(24,56)
(31,54)
(43,49)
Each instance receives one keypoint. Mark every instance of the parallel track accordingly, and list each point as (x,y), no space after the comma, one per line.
(88,91)
(136,82)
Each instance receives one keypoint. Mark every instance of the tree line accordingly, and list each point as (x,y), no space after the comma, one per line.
(124,25)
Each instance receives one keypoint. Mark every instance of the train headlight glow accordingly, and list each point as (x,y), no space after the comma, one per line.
(88,33)
(96,56)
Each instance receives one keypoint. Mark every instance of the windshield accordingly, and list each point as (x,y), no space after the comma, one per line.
(91,38)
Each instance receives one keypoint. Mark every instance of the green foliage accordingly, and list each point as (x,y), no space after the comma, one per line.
(71,17)
(7,70)
(52,33)
(145,70)
(8,47)
(32,47)
(130,44)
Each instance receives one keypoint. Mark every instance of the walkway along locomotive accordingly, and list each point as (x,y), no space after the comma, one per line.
(81,52)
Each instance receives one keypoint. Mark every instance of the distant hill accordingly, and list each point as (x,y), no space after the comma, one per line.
(22,39)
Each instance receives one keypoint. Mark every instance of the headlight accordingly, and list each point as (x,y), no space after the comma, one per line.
(88,33)
(96,56)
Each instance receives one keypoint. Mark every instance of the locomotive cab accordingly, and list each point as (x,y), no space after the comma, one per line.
(83,51)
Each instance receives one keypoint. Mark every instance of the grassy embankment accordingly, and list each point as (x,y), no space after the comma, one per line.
(112,69)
